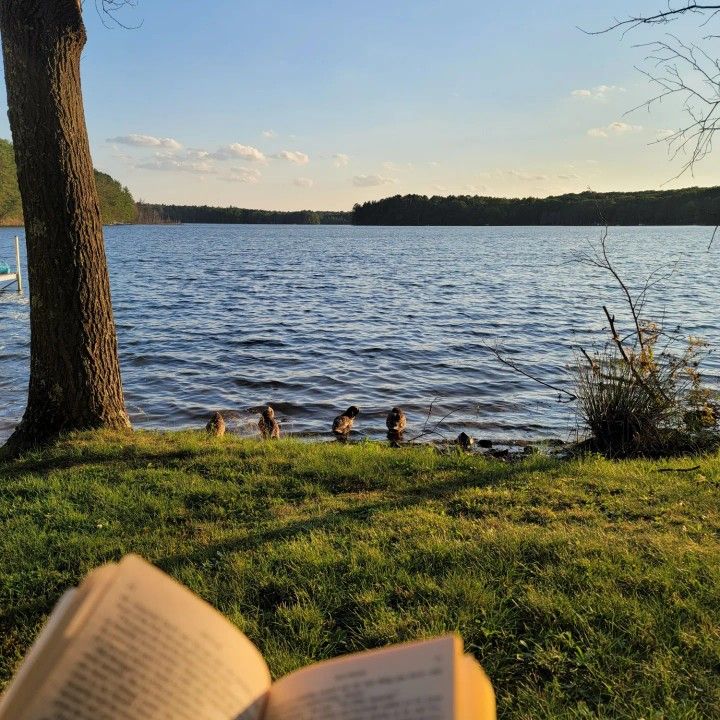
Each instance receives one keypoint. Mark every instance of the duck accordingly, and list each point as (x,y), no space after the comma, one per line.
(396,421)
(342,424)
(465,441)
(268,425)
(216,425)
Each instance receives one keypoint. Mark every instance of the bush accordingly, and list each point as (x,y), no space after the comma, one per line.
(642,393)
(638,401)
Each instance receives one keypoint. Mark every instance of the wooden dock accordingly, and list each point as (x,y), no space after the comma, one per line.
(15,277)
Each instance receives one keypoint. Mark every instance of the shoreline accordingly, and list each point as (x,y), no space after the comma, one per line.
(409,225)
(502,449)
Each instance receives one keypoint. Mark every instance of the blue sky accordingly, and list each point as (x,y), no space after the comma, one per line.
(321,104)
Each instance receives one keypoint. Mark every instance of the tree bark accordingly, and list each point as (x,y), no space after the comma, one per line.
(74,369)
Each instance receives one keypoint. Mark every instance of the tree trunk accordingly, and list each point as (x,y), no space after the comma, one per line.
(74,369)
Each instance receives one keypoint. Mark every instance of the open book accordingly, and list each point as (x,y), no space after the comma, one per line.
(130,643)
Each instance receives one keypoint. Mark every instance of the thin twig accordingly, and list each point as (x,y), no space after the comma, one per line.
(517,368)
(683,70)
(434,429)
(712,239)
(626,358)
(107,12)
(659,18)
(679,470)
(593,364)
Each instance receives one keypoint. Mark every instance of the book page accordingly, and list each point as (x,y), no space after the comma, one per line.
(152,650)
(48,648)
(23,685)
(475,696)
(415,681)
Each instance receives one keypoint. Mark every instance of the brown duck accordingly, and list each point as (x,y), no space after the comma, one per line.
(342,424)
(396,421)
(268,425)
(216,425)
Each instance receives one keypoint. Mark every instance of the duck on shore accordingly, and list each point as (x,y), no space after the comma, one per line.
(342,424)
(268,425)
(465,441)
(216,425)
(396,423)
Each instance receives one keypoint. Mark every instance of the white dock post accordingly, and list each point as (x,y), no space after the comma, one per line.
(17,264)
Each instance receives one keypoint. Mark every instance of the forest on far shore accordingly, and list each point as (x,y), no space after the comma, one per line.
(689,206)
(116,202)
(157,214)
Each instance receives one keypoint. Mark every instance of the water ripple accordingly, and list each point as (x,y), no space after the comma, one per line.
(313,319)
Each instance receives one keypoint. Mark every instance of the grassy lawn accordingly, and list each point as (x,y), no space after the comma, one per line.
(585,588)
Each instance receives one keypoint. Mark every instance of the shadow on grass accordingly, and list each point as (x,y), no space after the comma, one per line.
(357,514)
(132,457)
(404,493)
(458,474)
(325,522)
(128,458)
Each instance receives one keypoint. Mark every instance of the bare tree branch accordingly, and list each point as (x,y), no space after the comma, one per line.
(519,369)
(681,70)
(659,18)
(600,259)
(427,429)
(712,239)
(108,10)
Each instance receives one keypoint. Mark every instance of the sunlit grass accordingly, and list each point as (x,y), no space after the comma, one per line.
(585,588)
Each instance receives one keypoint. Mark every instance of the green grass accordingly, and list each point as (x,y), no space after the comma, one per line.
(585,588)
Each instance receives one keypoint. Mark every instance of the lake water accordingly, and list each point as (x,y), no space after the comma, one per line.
(313,319)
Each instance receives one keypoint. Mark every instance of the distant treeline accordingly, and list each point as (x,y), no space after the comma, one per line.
(689,206)
(148,213)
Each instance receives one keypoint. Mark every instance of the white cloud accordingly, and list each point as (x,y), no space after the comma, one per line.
(195,154)
(665,134)
(614,128)
(620,128)
(477,189)
(522,175)
(249,176)
(269,134)
(169,164)
(397,167)
(601,92)
(237,150)
(340,160)
(146,141)
(117,153)
(293,156)
(570,176)
(303,182)
(372,180)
